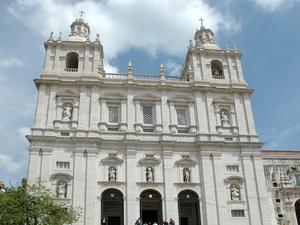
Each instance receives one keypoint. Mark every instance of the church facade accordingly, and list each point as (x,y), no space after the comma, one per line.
(123,146)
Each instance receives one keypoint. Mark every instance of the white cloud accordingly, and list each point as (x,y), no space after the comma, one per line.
(273,5)
(23,131)
(9,62)
(173,68)
(153,25)
(8,164)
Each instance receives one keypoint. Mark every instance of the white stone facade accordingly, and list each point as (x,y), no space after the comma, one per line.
(189,137)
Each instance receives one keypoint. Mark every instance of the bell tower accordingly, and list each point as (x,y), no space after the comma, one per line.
(75,56)
(207,62)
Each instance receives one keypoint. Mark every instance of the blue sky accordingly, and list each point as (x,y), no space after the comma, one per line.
(150,32)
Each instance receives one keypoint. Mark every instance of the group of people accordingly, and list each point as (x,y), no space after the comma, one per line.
(140,222)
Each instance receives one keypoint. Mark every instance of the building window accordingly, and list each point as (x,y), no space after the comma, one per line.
(72,62)
(217,69)
(148,114)
(232,168)
(113,114)
(237,213)
(63,165)
(181,116)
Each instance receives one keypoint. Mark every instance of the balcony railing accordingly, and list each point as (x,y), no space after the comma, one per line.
(220,77)
(142,77)
(71,70)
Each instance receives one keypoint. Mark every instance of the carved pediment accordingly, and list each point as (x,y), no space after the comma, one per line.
(61,175)
(181,99)
(146,97)
(112,160)
(113,96)
(67,93)
(223,100)
(185,162)
(149,160)
(234,179)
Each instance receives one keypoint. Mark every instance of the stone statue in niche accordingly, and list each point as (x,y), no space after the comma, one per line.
(235,192)
(112,174)
(186,175)
(224,119)
(149,174)
(61,189)
(67,113)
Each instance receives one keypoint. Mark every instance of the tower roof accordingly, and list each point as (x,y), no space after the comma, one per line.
(80,30)
(205,38)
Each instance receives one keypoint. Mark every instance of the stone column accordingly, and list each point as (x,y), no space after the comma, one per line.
(42,101)
(123,122)
(138,117)
(51,107)
(249,115)
(240,115)
(130,111)
(91,190)
(103,116)
(78,194)
(84,108)
(209,186)
(170,193)
(173,114)
(95,110)
(86,68)
(133,206)
(201,111)
(158,124)
(165,112)
(193,127)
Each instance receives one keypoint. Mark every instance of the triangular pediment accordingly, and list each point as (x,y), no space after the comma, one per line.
(147,97)
(223,99)
(113,96)
(186,162)
(67,93)
(61,175)
(149,160)
(234,178)
(113,160)
(180,99)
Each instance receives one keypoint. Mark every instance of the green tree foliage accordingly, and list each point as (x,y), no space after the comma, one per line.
(33,205)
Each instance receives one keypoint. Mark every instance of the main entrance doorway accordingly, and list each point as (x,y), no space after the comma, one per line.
(151,206)
(297,210)
(112,207)
(188,207)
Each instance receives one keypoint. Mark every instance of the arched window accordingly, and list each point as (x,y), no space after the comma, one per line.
(72,62)
(217,69)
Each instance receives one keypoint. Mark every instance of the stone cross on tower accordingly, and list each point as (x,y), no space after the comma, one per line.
(81,13)
(201,20)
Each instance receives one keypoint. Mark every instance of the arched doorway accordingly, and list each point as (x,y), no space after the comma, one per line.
(151,206)
(297,210)
(112,207)
(188,207)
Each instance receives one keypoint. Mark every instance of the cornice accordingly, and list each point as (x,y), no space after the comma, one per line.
(169,85)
